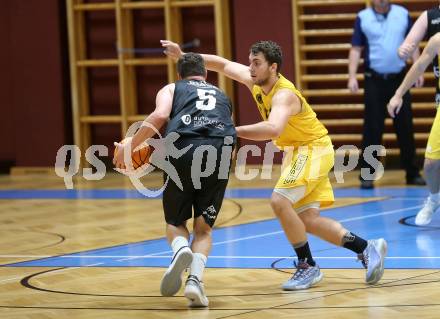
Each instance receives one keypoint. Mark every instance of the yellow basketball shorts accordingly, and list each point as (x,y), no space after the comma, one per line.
(308,167)
(433,146)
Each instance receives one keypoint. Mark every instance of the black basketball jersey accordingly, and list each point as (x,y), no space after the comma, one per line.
(433,28)
(200,110)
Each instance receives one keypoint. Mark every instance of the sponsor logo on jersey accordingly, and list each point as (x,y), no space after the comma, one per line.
(186,119)
(206,121)
(435,21)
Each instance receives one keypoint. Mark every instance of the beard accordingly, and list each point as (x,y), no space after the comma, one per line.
(262,82)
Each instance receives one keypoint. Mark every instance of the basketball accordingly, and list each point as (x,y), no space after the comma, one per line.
(140,156)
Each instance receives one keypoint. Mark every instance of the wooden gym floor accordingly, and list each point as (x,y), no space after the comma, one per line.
(98,252)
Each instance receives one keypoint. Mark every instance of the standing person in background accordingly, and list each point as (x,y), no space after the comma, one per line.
(428,23)
(379,30)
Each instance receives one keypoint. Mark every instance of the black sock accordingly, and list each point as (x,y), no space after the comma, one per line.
(354,243)
(303,252)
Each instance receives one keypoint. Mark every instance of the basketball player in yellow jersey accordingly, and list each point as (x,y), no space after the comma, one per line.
(304,185)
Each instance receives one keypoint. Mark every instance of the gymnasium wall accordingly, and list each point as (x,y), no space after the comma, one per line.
(255,20)
(33,105)
(34,88)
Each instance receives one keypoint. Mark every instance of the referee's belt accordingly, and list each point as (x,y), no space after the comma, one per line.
(384,76)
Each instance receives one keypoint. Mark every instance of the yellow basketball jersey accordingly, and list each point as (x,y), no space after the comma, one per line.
(302,128)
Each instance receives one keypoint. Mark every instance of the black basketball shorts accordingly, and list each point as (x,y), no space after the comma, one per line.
(206,197)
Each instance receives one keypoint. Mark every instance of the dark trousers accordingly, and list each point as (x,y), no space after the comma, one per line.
(378,91)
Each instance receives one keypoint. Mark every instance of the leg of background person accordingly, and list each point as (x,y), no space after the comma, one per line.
(374,116)
(432,175)
(432,203)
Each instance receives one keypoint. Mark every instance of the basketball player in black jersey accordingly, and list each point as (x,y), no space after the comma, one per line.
(201,114)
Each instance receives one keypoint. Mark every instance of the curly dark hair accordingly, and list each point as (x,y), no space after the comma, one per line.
(271,50)
(191,64)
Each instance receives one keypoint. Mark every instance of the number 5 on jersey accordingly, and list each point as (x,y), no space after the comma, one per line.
(206,100)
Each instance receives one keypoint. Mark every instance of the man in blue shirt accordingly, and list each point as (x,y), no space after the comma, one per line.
(379,31)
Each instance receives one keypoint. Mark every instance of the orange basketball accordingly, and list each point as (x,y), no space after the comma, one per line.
(139,157)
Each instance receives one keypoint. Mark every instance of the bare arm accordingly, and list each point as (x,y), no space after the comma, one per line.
(420,79)
(164,101)
(353,63)
(235,71)
(414,36)
(284,104)
(414,72)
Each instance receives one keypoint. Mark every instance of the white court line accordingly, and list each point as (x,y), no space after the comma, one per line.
(222,257)
(390,212)
(281,231)
(408,198)
(264,235)
(341,221)
(155,254)
(220,242)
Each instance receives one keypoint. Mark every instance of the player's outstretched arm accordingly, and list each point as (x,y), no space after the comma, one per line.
(236,71)
(414,72)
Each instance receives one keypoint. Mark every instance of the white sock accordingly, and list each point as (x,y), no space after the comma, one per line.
(198,265)
(435,197)
(178,243)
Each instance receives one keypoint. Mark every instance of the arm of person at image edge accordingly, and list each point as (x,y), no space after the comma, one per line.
(414,37)
(157,119)
(284,103)
(414,72)
(410,46)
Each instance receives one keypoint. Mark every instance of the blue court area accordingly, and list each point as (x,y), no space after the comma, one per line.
(263,244)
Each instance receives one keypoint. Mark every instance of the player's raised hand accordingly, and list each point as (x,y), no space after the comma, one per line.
(171,49)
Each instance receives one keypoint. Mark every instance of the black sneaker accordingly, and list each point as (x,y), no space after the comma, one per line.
(367,184)
(418,180)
